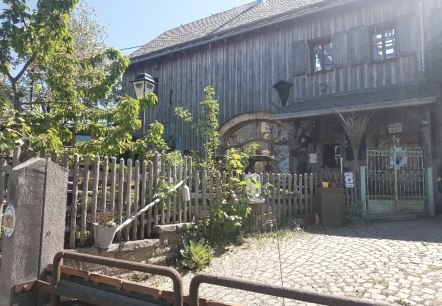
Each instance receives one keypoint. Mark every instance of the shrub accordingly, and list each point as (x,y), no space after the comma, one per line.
(196,254)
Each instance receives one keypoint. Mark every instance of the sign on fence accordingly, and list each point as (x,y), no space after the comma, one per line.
(349,180)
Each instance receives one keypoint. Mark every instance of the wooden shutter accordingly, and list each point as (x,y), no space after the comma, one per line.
(358,45)
(407,31)
(340,49)
(300,55)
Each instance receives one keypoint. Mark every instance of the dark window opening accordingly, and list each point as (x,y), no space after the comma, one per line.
(321,55)
(383,43)
(331,155)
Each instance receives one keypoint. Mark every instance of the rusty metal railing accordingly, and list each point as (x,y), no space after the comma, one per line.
(58,287)
(288,293)
(116,263)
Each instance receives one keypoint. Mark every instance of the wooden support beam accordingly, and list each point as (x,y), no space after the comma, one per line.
(426,138)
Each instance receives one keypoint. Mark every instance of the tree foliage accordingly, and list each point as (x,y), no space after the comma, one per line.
(226,217)
(206,125)
(56,75)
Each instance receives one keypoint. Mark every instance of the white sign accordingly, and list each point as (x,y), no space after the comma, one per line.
(9,221)
(394,128)
(313,157)
(348,178)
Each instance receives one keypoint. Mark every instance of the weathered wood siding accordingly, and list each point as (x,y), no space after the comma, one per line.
(243,68)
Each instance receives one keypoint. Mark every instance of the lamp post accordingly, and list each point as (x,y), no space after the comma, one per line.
(144,84)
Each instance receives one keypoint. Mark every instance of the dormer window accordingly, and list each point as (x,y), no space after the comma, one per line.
(383,42)
(322,55)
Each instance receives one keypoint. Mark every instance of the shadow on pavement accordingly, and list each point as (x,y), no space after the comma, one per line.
(424,230)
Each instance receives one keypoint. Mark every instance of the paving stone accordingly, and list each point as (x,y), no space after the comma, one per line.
(428,291)
(379,262)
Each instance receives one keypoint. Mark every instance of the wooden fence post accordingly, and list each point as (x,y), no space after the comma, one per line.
(96,178)
(73,225)
(143,196)
(128,197)
(84,201)
(104,182)
(120,196)
(136,198)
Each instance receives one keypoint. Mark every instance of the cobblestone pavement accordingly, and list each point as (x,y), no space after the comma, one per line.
(398,263)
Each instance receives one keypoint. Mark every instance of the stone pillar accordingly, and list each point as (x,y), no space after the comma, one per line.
(38,194)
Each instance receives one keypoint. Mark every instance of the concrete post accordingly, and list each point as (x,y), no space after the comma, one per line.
(364,190)
(38,194)
(429,205)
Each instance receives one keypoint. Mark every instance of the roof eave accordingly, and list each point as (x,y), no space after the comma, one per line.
(233,32)
(358,108)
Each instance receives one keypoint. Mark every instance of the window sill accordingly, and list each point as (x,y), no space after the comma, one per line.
(321,72)
(372,62)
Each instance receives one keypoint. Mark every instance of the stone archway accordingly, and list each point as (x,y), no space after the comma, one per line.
(272,137)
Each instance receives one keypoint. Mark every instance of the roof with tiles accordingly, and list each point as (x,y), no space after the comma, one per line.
(245,17)
(372,99)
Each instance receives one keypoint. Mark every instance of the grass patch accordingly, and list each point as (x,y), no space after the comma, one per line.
(402,302)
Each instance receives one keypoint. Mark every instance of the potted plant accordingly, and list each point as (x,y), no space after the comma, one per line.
(104,228)
(328,178)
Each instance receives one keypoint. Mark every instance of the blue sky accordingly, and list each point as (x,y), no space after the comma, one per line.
(135,22)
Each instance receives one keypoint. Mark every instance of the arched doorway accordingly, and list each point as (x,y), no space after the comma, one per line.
(272,138)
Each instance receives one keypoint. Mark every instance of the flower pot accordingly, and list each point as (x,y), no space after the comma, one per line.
(324,184)
(103,235)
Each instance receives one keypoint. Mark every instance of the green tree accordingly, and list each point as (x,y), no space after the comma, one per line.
(206,125)
(57,74)
(227,215)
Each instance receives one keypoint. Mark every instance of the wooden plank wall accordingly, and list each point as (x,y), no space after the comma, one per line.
(243,68)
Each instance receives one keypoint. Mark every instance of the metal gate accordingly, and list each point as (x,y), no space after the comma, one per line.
(395,181)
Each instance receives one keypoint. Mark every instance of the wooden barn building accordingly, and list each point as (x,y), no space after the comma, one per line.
(284,69)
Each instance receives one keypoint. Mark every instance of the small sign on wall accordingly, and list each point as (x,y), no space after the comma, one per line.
(349,181)
(313,158)
(9,221)
(394,128)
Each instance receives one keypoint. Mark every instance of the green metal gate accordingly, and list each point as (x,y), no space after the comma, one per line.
(395,181)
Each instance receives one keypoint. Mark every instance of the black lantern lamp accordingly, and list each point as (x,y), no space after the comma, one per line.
(144,84)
